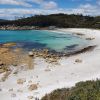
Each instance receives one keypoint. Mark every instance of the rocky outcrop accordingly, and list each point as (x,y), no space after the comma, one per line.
(46,54)
(54,57)
(3,67)
(5,76)
(7,45)
(12,27)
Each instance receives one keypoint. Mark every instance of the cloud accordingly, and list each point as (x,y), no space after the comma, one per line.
(45,7)
(89,9)
(45,4)
(19,12)
(84,0)
(98,2)
(15,2)
(38,1)
(49,5)
(28,3)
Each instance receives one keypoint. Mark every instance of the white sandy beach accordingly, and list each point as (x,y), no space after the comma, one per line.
(50,76)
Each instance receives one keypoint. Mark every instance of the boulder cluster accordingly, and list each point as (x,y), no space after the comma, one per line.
(48,56)
(3,67)
(13,27)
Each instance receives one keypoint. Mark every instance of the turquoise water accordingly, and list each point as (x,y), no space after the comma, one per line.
(39,39)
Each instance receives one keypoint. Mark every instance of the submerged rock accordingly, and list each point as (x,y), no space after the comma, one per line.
(9,44)
(90,38)
(80,34)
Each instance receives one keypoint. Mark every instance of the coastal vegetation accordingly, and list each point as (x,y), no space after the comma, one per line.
(58,20)
(89,90)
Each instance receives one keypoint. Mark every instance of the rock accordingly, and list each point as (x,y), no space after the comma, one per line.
(78,61)
(45,51)
(3,50)
(33,50)
(13,95)
(9,44)
(1,63)
(19,90)
(30,97)
(6,76)
(1,71)
(47,70)
(0,89)
(31,53)
(80,34)
(13,27)
(21,81)
(32,87)
(18,50)
(10,90)
(30,81)
(4,69)
(15,72)
(15,64)
(90,38)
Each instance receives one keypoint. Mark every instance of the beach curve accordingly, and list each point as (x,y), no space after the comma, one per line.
(80,67)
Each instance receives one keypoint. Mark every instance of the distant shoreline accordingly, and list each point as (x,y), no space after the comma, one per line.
(14,27)
(11,27)
(50,28)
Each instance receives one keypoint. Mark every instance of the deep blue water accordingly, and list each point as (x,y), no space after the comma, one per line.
(39,39)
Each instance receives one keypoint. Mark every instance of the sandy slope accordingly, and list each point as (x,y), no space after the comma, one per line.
(64,74)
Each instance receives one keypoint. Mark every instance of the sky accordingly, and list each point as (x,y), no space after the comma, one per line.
(11,9)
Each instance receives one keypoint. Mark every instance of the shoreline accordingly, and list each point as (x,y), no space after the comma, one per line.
(91,60)
(70,70)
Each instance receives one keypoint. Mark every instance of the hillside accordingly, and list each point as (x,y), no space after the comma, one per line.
(2,20)
(58,20)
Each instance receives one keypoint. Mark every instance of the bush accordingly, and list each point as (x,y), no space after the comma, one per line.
(89,90)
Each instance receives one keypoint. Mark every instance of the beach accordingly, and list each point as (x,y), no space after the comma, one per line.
(46,77)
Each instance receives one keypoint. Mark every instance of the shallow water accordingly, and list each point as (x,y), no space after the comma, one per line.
(39,39)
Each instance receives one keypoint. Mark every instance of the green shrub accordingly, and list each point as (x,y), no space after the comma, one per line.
(89,90)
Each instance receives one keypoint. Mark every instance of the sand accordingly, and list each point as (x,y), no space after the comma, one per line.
(48,77)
